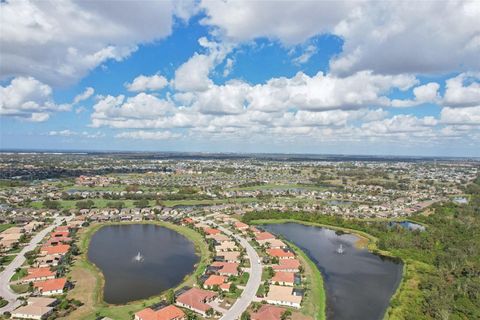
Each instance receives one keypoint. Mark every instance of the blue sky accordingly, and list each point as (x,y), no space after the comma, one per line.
(309,77)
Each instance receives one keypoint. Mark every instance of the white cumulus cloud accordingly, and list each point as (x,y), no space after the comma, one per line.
(389,37)
(79,35)
(148,135)
(84,95)
(29,99)
(147,83)
(460,93)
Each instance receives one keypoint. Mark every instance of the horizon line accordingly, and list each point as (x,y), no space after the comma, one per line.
(72,151)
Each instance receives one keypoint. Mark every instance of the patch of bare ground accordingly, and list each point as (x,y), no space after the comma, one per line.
(85,283)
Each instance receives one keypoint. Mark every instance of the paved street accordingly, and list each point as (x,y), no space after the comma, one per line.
(254,281)
(9,271)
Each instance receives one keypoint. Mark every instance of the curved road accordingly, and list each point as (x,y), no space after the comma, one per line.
(9,271)
(254,281)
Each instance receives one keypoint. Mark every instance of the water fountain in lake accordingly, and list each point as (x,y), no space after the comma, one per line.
(138,257)
(340,249)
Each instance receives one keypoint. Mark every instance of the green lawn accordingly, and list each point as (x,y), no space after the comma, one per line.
(314,302)
(20,288)
(3,302)
(5,226)
(6,260)
(19,275)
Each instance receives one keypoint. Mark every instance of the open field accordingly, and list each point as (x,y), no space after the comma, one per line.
(89,280)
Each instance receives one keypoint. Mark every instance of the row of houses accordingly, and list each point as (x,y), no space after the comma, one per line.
(11,237)
(286,267)
(44,278)
(194,299)
(227,259)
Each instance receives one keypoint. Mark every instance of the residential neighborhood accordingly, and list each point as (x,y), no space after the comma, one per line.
(244,271)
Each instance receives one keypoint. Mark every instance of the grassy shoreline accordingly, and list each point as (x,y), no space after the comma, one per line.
(97,305)
(410,267)
(316,286)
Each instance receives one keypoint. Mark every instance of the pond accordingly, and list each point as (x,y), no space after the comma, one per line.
(407,225)
(358,283)
(140,260)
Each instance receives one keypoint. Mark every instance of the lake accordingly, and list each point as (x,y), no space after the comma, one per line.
(166,257)
(358,283)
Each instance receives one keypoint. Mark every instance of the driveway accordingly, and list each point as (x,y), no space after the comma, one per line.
(9,271)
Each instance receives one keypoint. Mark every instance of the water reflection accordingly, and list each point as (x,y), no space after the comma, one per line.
(358,283)
(165,258)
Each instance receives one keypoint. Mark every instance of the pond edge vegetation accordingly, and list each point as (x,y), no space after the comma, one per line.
(125,311)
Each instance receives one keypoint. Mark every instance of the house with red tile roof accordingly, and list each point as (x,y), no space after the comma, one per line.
(168,313)
(55,250)
(288,265)
(284,278)
(268,312)
(62,229)
(51,287)
(280,254)
(196,300)
(255,230)
(38,274)
(211,231)
(226,268)
(217,280)
(187,221)
(241,226)
(59,234)
(264,237)
(57,241)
